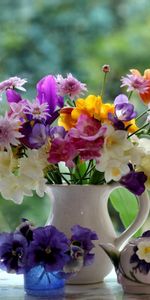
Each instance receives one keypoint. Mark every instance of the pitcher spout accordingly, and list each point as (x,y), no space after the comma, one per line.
(112,252)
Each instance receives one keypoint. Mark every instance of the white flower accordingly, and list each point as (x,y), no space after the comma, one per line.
(9,132)
(116,142)
(32,165)
(12,82)
(37,184)
(113,169)
(7,163)
(143,252)
(12,188)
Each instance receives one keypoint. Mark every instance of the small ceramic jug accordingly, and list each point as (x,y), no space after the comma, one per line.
(132,264)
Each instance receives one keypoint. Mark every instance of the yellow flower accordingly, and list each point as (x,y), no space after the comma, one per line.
(133,127)
(93,107)
(66,119)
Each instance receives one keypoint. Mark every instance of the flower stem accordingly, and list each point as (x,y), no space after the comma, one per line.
(142,114)
(139,129)
(129,97)
(103,85)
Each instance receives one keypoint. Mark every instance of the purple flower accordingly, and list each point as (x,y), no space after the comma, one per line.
(38,136)
(48,248)
(134,182)
(34,136)
(13,96)
(47,93)
(124,110)
(13,247)
(57,132)
(118,124)
(70,86)
(82,237)
(26,229)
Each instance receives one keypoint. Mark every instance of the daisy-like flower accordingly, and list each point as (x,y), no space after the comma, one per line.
(37,110)
(135,82)
(12,82)
(141,256)
(9,132)
(70,86)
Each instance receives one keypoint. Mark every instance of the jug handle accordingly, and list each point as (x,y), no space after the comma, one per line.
(144,208)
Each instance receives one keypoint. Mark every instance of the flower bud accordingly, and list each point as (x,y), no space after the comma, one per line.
(106,68)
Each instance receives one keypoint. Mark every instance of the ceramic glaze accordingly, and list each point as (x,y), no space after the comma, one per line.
(87,206)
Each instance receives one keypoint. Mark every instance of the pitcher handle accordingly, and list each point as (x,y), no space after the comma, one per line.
(144,207)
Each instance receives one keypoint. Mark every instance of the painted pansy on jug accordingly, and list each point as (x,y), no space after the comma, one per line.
(132,264)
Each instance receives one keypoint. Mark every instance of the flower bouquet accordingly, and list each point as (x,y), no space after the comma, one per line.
(64,141)
(93,143)
(45,255)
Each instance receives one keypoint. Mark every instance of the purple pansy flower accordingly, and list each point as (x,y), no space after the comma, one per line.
(48,248)
(134,182)
(26,229)
(123,109)
(13,247)
(47,93)
(82,237)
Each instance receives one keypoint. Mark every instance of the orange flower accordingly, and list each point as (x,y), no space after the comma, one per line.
(66,119)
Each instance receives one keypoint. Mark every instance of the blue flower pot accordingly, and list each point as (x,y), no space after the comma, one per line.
(37,282)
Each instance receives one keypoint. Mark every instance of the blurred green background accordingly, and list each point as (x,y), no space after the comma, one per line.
(60,36)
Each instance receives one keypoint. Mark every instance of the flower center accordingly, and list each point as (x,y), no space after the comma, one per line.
(48,250)
(116,171)
(147,250)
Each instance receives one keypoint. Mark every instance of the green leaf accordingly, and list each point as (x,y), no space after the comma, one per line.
(125,203)
(97,178)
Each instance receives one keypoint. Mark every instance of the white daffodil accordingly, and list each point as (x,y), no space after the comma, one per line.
(116,142)
(143,252)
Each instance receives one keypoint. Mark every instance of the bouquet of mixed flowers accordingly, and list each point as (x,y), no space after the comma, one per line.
(29,247)
(62,138)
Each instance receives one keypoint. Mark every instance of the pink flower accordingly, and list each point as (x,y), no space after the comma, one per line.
(9,132)
(137,83)
(12,82)
(70,86)
(36,110)
(62,150)
(87,137)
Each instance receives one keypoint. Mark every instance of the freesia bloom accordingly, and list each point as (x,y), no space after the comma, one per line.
(116,142)
(9,132)
(7,163)
(13,247)
(70,86)
(13,96)
(17,189)
(38,136)
(113,168)
(123,109)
